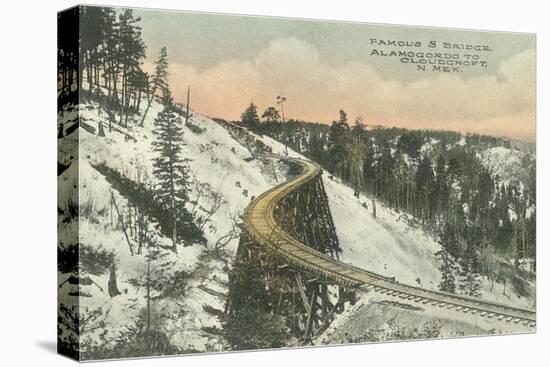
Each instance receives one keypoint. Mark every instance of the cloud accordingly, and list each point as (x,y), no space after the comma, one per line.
(502,104)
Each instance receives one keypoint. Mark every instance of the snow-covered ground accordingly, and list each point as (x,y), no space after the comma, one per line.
(376,317)
(386,244)
(390,246)
(220,166)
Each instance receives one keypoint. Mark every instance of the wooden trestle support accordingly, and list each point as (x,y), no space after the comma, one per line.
(307,301)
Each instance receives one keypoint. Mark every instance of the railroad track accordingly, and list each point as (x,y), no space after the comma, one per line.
(262,227)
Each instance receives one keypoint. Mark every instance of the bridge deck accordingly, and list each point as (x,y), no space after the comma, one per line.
(263,229)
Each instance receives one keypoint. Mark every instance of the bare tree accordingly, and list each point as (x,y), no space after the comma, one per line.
(122,224)
(232,234)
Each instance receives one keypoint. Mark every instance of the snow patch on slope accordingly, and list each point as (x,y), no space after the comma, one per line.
(386,244)
(506,163)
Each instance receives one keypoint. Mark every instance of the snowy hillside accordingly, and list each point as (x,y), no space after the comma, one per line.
(224,177)
(393,245)
(226,173)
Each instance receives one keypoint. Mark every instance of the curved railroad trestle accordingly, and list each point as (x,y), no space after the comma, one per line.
(289,234)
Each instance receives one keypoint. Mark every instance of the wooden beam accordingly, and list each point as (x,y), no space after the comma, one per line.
(302,291)
(310,314)
(294,322)
(325,322)
(324,299)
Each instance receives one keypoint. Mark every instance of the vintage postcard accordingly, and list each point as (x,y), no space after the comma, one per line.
(232,183)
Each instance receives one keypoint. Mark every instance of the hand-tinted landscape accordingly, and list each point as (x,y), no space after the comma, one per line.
(238,183)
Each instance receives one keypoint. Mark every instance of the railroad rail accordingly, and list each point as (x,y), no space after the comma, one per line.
(262,228)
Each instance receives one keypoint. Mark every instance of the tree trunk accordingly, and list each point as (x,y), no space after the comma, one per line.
(149,101)
(130,220)
(115,80)
(101,132)
(148,294)
(112,284)
(126,110)
(122,96)
(138,104)
(174,234)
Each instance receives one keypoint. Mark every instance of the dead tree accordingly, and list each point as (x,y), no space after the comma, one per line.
(121,221)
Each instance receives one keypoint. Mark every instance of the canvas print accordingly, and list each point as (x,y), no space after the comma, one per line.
(233,183)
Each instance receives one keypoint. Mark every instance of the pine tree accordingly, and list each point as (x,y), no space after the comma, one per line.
(169,167)
(357,156)
(385,167)
(447,256)
(271,119)
(470,269)
(250,117)
(271,115)
(112,49)
(410,143)
(368,170)
(160,81)
(338,140)
(441,189)
(424,186)
(131,49)
(109,52)
(316,148)
(92,20)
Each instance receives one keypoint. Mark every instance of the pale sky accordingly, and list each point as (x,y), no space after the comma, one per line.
(323,66)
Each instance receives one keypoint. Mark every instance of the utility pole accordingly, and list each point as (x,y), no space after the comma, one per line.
(280,101)
(187,112)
